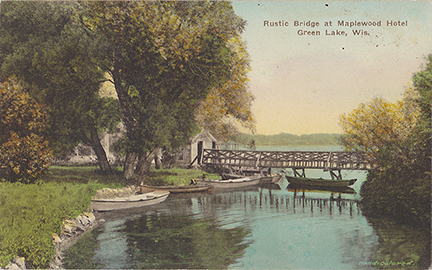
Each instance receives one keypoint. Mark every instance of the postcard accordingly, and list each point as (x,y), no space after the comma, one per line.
(233,135)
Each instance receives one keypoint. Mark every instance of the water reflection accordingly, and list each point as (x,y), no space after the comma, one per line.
(81,255)
(265,227)
(401,246)
(181,242)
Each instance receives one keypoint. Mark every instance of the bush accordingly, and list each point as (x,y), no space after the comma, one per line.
(400,186)
(24,152)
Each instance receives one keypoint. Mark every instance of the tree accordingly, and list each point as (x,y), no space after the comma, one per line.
(422,134)
(165,58)
(399,186)
(226,106)
(24,151)
(374,125)
(48,51)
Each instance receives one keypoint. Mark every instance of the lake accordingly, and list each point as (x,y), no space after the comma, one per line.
(265,227)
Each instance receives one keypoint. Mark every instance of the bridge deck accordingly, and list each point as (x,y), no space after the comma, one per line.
(337,160)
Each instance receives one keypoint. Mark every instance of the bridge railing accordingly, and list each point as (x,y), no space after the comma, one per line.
(288,159)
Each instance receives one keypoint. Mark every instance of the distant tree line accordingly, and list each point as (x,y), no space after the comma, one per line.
(289,139)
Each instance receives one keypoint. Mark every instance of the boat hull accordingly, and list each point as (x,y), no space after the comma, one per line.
(131,201)
(233,183)
(300,181)
(274,178)
(321,189)
(181,189)
(264,179)
(228,176)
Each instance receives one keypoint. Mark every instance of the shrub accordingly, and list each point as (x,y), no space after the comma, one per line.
(24,152)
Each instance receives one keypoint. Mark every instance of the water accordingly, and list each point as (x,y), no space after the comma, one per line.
(268,227)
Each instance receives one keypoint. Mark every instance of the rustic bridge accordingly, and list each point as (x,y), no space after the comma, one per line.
(337,160)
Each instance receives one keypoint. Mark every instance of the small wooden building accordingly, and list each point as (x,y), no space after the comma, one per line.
(192,154)
(201,141)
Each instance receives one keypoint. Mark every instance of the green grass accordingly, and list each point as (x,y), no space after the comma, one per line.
(82,175)
(31,213)
(175,176)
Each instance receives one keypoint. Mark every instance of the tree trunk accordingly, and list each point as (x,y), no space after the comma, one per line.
(144,164)
(158,157)
(99,150)
(128,168)
(121,90)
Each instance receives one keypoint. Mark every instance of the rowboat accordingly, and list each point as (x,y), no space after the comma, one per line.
(320,189)
(264,178)
(232,183)
(180,189)
(303,181)
(227,176)
(131,201)
(270,178)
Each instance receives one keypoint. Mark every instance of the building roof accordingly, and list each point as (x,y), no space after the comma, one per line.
(205,134)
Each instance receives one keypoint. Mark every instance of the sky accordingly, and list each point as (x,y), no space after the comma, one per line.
(303,82)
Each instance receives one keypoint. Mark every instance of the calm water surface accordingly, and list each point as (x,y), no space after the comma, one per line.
(271,227)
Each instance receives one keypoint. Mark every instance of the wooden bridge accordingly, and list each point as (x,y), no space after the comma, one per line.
(337,160)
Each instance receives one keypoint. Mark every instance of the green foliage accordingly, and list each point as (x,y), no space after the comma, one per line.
(230,104)
(24,152)
(82,175)
(397,191)
(400,186)
(47,50)
(375,124)
(421,137)
(165,58)
(32,213)
(176,176)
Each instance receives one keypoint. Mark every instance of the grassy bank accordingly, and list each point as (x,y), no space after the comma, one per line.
(30,214)
(175,176)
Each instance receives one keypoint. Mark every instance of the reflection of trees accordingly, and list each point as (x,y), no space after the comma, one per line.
(80,255)
(181,242)
(401,243)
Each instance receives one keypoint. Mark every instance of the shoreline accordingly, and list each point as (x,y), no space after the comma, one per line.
(72,231)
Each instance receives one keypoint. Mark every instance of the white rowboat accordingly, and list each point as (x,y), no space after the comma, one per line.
(233,183)
(130,201)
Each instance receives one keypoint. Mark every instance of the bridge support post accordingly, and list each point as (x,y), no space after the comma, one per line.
(297,174)
(336,176)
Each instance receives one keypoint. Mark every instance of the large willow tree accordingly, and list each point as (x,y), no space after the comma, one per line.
(164,59)
(227,107)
